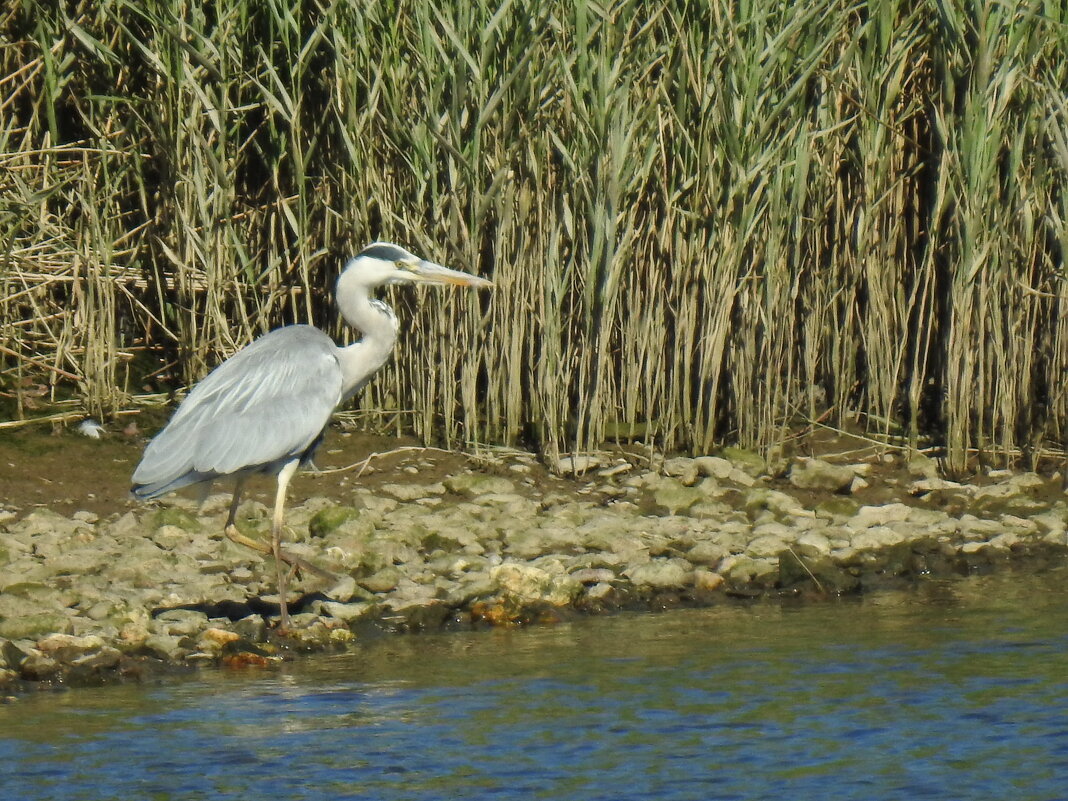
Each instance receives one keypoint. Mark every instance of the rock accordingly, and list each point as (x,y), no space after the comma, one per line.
(252,628)
(216,638)
(819,572)
(620,467)
(661,574)
(447,539)
(576,464)
(532,543)
(103,658)
(1026,481)
(714,466)
(746,461)
(876,538)
(327,521)
(707,553)
(79,562)
(1052,522)
(816,474)
(31,626)
(745,570)
(778,504)
(412,492)
(385,580)
(594,575)
(1019,525)
(39,667)
(928,518)
(471,485)
(529,583)
(921,466)
(173,516)
(685,470)
(1057,537)
(45,521)
(713,510)
(599,592)
(165,646)
(470,588)
(721,469)
(348,613)
(343,590)
(11,656)
(169,537)
(767,546)
(57,642)
(974,528)
(675,497)
(179,622)
(813,544)
(868,516)
(418,615)
(375,503)
(706,580)
(608,536)
(1005,541)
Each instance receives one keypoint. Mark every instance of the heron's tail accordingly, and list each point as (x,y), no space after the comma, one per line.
(146,492)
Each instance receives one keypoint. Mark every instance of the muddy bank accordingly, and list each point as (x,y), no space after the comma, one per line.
(91,597)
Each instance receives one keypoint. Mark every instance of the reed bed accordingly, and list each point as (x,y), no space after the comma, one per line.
(708,222)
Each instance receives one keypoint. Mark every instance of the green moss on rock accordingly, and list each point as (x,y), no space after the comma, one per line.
(328,520)
(173,516)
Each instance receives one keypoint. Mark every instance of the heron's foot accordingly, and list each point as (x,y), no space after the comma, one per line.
(294,561)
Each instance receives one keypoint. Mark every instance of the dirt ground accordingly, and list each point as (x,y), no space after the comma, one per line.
(67,471)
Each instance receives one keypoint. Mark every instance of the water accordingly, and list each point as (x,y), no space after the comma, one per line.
(958,690)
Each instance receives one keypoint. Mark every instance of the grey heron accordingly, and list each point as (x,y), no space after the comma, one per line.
(266,408)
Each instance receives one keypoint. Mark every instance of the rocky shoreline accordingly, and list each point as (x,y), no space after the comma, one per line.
(88,600)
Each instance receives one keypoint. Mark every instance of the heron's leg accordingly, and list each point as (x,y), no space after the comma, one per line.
(284,476)
(236,536)
(238,486)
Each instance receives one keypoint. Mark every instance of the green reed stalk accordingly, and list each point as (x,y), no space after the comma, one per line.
(707,222)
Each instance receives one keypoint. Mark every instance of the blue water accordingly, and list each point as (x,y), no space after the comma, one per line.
(958,690)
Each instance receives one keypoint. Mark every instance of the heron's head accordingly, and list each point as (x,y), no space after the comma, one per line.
(383,263)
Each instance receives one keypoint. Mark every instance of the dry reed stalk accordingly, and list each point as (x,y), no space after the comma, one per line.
(706,222)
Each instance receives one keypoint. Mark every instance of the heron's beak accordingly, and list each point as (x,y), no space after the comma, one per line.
(426,272)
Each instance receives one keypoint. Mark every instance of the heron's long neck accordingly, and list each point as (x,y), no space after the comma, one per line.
(360,360)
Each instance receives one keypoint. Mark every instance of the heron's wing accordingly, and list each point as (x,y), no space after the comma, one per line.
(267,403)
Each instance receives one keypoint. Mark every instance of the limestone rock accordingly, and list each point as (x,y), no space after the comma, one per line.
(682,468)
(745,460)
(327,521)
(34,625)
(675,497)
(743,570)
(767,546)
(661,574)
(813,544)
(816,474)
(472,485)
(530,583)
(868,516)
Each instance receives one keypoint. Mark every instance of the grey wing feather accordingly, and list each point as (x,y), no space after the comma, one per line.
(266,404)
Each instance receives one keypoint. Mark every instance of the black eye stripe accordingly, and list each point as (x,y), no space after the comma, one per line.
(384,252)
